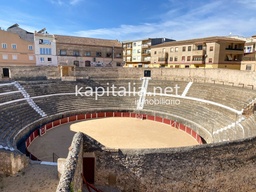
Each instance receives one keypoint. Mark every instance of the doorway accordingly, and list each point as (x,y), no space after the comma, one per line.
(88,169)
(6,73)
(65,70)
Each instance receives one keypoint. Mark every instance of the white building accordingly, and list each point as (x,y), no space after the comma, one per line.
(45,49)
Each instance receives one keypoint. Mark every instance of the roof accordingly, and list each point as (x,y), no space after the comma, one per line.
(86,41)
(146,39)
(200,40)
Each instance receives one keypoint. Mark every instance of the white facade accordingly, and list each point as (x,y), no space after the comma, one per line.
(136,51)
(45,49)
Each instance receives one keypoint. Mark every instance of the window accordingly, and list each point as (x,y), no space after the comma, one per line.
(87,53)
(14,57)
(200,47)
(49,59)
(171,49)
(210,60)
(197,58)
(63,52)
(211,48)
(98,54)
(171,58)
(118,55)
(175,58)
(134,44)
(189,48)
(76,63)
(183,48)
(4,45)
(31,57)
(138,50)
(5,57)
(30,47)
(183,58)
(188,58)
(155,52)
(76,53)
(248,67)
(45,51)
(108,54)
(186,66)
(176,49)
(41,59)
(177,66)
(44,41)
(118,64)
(14,46)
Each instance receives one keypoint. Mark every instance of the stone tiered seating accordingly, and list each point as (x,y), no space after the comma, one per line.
(66,103)
(234,97)
(164,84)
(6,93)
(210,117)
(14,117)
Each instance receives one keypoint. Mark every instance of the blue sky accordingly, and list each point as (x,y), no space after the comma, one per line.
(133,19)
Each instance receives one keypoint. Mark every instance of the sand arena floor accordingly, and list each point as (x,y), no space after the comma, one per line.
(113,133)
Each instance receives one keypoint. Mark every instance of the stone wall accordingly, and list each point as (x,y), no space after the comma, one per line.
(11,162)
(71,179)
(218,167)
(31,73)
(222,76)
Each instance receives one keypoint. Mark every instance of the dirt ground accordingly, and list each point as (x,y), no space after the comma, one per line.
(113,133)
(34,178)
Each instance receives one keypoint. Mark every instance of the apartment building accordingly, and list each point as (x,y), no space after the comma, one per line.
(138,53)
(15,51)
(249,58)
(45,48)
(88,52)
(209,52)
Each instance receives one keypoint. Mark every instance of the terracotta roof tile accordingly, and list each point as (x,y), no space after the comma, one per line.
(86,41)
(199,40)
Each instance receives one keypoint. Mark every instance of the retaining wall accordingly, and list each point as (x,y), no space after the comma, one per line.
(71,179)
(11,162)
(223,76)
(208,168)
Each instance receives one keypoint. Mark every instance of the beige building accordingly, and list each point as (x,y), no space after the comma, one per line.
(15,51)
(88,52)
(249,59)
(138,53)
(210,52)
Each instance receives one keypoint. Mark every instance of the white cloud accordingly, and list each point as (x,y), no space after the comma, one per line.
(216,18)
(57,2)
(74,2)
(65,2)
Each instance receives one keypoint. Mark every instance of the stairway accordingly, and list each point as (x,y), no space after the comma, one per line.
(29,99)
(143,93)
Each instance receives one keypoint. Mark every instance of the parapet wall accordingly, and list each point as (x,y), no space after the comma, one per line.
(218,167)
(222,76)
(11,162)
(71,179)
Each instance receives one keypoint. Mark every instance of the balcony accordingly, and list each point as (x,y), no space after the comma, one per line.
(146,53)
(198,52)
(163,60)
(234,49)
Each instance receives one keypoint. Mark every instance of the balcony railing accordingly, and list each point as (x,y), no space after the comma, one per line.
(249,59)
(234,49)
